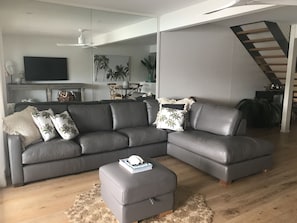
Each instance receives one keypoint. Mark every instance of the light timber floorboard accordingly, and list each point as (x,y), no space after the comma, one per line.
(264,197)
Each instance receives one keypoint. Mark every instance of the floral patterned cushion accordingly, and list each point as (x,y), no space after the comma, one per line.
(169,118)
(65,125)
(44,123)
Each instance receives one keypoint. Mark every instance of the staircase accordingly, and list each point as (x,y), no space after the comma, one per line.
(267,45)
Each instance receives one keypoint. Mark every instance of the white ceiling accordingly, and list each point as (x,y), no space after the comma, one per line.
(137,7)
(64,17)
(39,18)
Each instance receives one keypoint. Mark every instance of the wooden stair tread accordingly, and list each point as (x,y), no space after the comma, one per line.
(250,31)
(265,48)
(272,64)
(260,40)
(275,71)
(270,56)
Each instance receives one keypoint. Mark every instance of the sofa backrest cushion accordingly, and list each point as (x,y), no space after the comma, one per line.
(57,107)
(217,119)
(129,114)
(152,106)
(91,117)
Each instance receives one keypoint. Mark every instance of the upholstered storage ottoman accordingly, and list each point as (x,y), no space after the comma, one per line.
(133,197)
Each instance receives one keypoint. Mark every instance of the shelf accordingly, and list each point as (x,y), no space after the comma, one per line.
(48,87)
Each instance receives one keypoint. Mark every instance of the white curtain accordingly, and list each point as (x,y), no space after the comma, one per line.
(3,102)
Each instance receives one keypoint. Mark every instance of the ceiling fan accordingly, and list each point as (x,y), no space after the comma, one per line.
(81,41)
(234,3)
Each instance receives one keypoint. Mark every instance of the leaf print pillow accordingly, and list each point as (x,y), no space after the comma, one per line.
(168,118)
(44,123)
(65,125)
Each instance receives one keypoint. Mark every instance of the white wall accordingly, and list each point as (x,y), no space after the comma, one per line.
(207,62)
(80,61)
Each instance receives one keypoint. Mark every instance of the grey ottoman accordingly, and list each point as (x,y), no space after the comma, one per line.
(133,197)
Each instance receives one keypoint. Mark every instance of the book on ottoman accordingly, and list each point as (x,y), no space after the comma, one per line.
(135,168)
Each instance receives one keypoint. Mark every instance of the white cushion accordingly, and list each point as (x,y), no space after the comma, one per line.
(44,123)
(187,102)
(65,125)
(172,119)
(21,123)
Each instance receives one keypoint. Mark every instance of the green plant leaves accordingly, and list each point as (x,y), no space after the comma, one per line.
(260,113)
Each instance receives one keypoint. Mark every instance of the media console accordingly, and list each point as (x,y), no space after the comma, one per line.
(49,87)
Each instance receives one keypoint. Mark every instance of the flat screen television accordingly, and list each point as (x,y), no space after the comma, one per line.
(45,68)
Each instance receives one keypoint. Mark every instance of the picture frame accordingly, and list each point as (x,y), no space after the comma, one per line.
(111,68)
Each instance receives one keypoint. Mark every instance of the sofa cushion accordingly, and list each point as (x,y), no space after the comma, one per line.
(221,120)
(91,118)
(102,141)
(65,125)
(152,106)
(21,123)
(172,119)
(128,115)
(44,123)
(55,149)
(186,103)
(222,149)
(144,135)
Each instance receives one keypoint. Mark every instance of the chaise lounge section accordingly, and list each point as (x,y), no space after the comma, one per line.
(216,144)
(213,141)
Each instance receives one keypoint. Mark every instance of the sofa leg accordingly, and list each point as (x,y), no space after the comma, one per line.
(163,214)
(265,170)
(224,183)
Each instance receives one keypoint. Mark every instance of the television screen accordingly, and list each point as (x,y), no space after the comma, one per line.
(45,68)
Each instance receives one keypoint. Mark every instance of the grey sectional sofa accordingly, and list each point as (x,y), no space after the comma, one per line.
(213,141)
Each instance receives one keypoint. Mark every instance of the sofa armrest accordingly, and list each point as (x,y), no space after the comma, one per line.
(15,159)
(241,130)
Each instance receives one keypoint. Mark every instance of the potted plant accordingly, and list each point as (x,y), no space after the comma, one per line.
(150,64)
(260,113)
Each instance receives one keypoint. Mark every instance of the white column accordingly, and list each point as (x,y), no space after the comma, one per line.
(3,103)
(158,50)
(288,94)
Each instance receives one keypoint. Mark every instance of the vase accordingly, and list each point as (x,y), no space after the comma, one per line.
(18,80)
(151,77)
(125,84)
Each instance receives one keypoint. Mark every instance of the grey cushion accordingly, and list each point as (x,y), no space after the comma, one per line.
(103,141)
(90,118)
(216,119)
(152,106)
(128,115)
(57,107)
(144,135)
(222,149)
(129,188)
(56,149)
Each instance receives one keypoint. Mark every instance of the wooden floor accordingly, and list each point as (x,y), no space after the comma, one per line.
(265,197)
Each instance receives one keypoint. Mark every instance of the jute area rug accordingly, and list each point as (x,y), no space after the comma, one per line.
(89,207)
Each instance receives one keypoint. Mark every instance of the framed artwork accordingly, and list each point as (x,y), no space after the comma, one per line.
(111,68)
